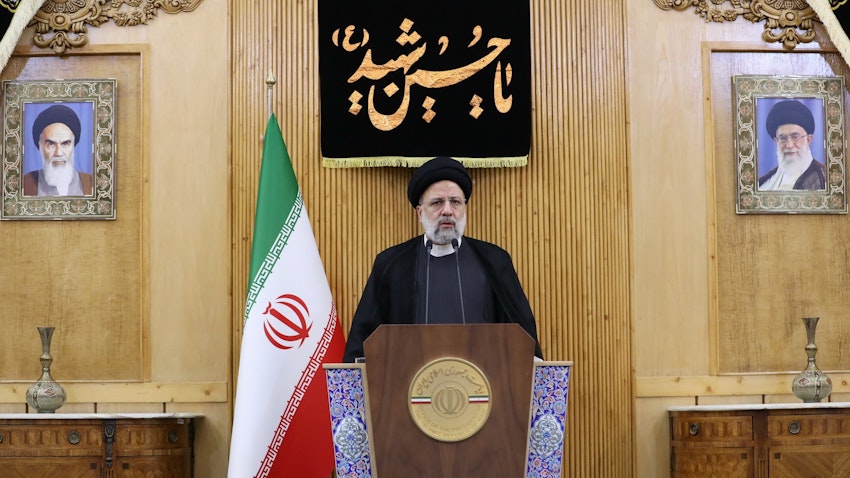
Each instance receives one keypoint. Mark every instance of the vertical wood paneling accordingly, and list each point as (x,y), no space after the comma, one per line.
(83,277)
(564,217)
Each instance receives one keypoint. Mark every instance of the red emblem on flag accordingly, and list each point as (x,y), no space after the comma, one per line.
(285,327)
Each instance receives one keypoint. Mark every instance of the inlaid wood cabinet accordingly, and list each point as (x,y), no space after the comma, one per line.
(96,446)
(760,441)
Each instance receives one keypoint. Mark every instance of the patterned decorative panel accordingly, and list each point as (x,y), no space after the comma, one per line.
(709,462)
(807,426)
(95,447)
(819,461)
(26,437)
(547,427)
(711,428)
(66,467)
(350,421)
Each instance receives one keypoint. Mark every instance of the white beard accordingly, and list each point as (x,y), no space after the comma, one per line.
(790,167)
(441,235)
(59,175)
(794,163)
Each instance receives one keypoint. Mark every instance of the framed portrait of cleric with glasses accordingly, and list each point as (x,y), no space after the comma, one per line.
(789,144)
(58,153)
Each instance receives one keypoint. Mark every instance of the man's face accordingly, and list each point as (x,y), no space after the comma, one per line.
(442,212)
(792,145)
(57,151)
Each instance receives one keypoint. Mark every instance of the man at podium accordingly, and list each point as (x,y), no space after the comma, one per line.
(441,277)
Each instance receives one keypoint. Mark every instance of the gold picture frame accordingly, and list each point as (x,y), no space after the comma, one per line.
(30,105)
(820,98)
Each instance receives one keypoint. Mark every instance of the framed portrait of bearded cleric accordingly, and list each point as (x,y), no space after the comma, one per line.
(789,144)
(58,149)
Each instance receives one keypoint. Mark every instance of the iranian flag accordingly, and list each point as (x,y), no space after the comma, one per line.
(281,424)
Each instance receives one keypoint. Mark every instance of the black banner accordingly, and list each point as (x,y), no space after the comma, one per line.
(842,13)
(11,34)
(7,10)
(404,81)
(835,16)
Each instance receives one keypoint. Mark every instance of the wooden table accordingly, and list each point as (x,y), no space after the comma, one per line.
(761,441)
(97,445)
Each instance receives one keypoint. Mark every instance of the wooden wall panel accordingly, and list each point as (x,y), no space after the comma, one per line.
(676,192)
(772,270)
(565,217)
(86,278)
(157,315)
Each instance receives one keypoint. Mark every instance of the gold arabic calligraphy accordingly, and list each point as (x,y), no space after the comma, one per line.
(425,78)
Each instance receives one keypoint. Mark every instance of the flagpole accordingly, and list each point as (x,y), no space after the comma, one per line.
(270,82)
(286,431)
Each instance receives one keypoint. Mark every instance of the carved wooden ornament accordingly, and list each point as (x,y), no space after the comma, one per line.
(790,22)
(63,24)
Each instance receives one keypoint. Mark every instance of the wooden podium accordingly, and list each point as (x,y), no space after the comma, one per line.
(446,401)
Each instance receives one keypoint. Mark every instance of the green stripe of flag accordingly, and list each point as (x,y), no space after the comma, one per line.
(276,195)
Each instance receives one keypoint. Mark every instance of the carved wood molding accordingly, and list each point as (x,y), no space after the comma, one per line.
(790,22)
(63,24)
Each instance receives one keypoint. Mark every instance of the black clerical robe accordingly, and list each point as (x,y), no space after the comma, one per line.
(392,293)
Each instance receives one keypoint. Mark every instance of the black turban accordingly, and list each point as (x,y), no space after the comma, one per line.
(790,112)
(438,169)
(56,114)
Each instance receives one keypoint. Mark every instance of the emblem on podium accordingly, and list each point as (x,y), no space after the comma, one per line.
(449,399)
